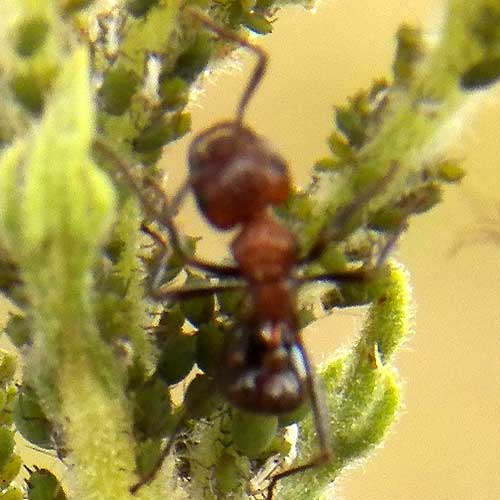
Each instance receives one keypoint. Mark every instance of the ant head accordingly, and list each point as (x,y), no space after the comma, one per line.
(235,174)
(264,369)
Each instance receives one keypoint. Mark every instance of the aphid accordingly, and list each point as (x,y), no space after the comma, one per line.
(236,179)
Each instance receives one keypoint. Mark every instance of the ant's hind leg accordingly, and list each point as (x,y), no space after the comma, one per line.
(152,473)
(190,407)
(362,274)
(321,422)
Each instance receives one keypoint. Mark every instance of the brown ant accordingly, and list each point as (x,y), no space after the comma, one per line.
(236,179)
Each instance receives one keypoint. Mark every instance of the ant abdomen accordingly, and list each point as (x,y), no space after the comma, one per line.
(264,370)
(234,174)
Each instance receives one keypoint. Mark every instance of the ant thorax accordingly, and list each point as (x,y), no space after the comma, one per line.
(264,250)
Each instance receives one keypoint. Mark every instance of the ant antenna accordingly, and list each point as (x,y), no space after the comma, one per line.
(259,70)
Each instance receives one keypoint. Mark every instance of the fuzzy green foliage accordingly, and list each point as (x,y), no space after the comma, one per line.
(363,393)
(403,125)
(10,461)
(99,360)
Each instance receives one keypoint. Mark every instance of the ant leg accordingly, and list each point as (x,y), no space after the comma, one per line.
(260,68)
(187,293)
(163,217)
(351,276)
(179,197)
(162,293)
(319,410)
(362,274)
(183,417)
(151,474)
(159,293)
(369,270)
(320,417)
(345,214)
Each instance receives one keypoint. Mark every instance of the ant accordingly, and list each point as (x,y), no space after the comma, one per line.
(236,178)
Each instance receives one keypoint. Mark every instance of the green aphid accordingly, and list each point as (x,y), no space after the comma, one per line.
(31,34)
(253,433)
(43,485)
(256,23)
(153,409)
(482,74)
(388,218)
(161,132)
(174,92)
(326,165)
(117,90)
(177,358)
(450,171)
(6,445)
(8,366)
(352,125)
(195,58)
(201,398)
(339,146)
(31,420)
(10,470)
(28,91)
(139,8)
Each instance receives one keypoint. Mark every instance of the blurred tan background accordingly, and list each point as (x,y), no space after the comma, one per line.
(446,444)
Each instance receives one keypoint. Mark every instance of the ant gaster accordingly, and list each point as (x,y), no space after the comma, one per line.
(236,178)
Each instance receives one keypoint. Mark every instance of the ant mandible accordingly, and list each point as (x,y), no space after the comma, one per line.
(236,179)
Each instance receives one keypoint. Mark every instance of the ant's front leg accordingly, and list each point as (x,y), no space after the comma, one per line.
(218,270)
(163,215)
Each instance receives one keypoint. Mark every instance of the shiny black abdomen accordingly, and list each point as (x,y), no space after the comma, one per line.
(264,369)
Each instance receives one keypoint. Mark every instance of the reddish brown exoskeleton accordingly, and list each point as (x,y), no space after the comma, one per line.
(236,178)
